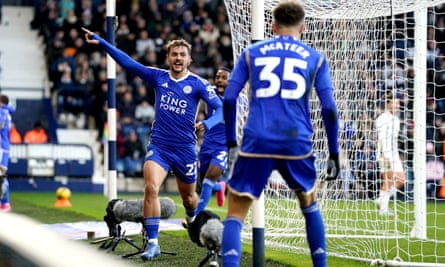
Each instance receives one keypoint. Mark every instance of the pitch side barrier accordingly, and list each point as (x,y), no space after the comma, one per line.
(51,160)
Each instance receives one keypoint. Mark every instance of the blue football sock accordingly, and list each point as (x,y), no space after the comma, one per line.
(206,194)
(217,187)
(5,199)
(315,234)
(231,242)
(151,225)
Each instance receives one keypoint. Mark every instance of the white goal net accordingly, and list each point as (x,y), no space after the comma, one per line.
(371,48)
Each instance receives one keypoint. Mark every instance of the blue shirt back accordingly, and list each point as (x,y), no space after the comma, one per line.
(281,72)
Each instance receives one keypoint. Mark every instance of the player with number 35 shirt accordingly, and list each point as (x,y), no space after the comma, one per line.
(280,73)
(287,70)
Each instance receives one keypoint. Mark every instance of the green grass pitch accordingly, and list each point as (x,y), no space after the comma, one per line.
(91,207)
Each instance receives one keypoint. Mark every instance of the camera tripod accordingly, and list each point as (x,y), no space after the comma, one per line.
(117,235)
(212,256)
(144,246)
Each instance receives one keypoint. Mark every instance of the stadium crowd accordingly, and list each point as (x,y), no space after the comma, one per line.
(394,71)
(79,80)
(78,72)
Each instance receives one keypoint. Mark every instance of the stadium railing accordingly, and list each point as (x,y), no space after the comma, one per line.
(51,160)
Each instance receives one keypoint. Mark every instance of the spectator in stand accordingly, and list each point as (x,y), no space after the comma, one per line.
(98,107)
(14,135)
(126,108)
(144,113)
(208,32)
(144,43)
(201,10)
(149,58)
(141,93)
(37,135)
(120,147)
(134,155)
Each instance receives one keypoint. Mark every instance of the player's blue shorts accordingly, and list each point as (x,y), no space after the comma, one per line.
(250,175)
(180,160)
(213,156)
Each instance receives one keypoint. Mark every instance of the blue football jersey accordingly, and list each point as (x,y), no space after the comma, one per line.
(215,136)
(176,100)
(281,73)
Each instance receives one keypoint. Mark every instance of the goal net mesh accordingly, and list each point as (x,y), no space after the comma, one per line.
(370,48)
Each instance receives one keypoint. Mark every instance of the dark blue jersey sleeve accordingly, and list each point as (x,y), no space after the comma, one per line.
(217,116)
(329,112)
(237,80)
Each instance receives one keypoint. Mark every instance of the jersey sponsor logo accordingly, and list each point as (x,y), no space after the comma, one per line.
(170,103)
(187,89)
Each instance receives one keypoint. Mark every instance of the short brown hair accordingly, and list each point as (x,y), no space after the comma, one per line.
(179,42)
(4,99)
(288,13)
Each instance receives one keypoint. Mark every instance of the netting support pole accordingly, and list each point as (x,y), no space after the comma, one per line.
(419,64)
(258,21)
(111,182)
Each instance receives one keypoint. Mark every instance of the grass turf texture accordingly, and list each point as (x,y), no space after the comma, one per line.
(91,207)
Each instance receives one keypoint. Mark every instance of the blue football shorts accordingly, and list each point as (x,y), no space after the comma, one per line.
(181,160)
(250,175)
(216,156)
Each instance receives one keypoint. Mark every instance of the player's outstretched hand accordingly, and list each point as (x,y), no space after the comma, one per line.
(332,167)
(89,36)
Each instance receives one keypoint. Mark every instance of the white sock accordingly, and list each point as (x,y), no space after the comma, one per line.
(153,240)
(384,200)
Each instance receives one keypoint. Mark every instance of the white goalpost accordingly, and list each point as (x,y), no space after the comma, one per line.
(372,47)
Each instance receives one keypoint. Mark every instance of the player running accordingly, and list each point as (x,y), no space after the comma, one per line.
(213,153)
(172,145)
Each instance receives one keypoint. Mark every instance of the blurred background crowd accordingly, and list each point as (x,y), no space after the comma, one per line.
(77,71)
